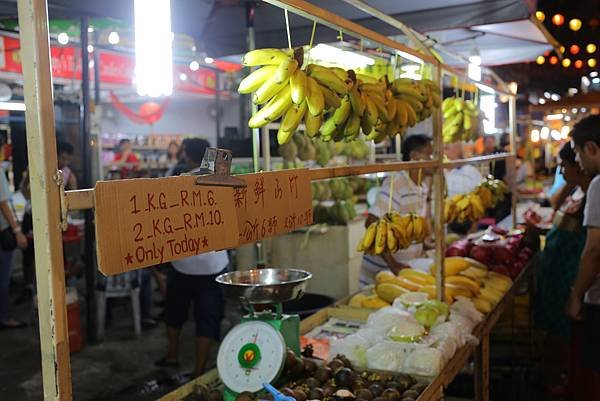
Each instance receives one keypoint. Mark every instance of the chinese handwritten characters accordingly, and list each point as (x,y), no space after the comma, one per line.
(145,222)
(273,203)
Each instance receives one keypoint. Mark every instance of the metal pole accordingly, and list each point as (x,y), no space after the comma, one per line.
(266,148)
(218,103)
(512,124)
(86,158)
(250,10)
(45,199)
(438,190)
(398,144)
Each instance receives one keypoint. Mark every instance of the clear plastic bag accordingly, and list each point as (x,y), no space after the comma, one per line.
(384,319)
(354,347)
(424,362)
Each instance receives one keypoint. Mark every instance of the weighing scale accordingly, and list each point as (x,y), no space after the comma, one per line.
(253,352)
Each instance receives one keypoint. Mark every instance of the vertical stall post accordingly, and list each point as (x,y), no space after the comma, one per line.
(438,189)
(45,199)
(512,126)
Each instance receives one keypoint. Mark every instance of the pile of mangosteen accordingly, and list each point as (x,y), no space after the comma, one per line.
(310,380)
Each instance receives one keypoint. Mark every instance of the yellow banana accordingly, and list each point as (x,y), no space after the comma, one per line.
(255,80)
(342,113)
(368,238)
(371,110)
(367,79)
(298,85)
(328,128)
(314,97)
(285,70)
(412,115)
(312,124)
(417,227)
(417,276)
(272,110)
(392,109)
(459,104)
(381,109)
(414,103)
(410,91)
(358,106)
(365,124)
(332,100)
(401,112)
(293,117)
(392,242)
(448,104)
(327,78)
(466,122)
(380,237)
(284,137)
(267,90)
(340,72)
(482,305)
(264,57)
(352,128)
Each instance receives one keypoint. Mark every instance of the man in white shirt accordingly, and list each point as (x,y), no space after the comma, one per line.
(584,301)
(463,179)
(411,195)
(192,280)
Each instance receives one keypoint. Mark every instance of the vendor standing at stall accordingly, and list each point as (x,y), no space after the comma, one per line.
(584,301)
(410,195)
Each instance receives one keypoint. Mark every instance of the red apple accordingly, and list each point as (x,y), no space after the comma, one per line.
(503,254)
(481,253)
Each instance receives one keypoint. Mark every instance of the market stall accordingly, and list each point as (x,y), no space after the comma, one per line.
(215,202)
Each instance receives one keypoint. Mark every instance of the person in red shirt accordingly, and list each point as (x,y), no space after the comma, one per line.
(126,158)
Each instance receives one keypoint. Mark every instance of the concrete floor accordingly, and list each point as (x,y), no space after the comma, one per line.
(119,368)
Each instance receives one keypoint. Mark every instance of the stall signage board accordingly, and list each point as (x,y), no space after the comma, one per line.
(145,222)
(273,203)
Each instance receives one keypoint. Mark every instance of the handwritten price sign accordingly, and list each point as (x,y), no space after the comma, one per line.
(273,203)
(144,222)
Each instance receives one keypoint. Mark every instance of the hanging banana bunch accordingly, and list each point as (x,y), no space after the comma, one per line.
(462,120)
(472,206)
(408,102)
(393,232)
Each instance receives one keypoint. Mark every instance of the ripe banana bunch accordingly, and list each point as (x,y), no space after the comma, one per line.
(393,232)
(407,103)
(461,120)
(464,207)
(497,189)
(278,87)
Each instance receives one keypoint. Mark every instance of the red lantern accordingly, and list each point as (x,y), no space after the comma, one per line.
(574,49)
(578,64)
(558,19)
(149,111)
(553,60)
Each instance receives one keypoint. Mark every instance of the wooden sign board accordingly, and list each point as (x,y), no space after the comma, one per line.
(145,222)
(273,203)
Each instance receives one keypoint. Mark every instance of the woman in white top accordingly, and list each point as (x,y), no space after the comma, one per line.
(410,196)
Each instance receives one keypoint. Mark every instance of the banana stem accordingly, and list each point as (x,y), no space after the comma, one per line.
(312,35)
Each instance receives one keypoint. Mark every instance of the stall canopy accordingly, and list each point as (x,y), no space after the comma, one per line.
(502,31)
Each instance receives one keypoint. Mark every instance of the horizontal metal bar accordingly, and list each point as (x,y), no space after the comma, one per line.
(80,199)
(478,159)
(334,21)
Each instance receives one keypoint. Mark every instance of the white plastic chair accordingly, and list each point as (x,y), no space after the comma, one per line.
(119,286)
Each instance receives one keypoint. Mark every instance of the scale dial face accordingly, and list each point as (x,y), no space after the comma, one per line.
(251,354)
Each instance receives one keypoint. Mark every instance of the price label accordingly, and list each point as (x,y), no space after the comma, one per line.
(145,222)
(273,203)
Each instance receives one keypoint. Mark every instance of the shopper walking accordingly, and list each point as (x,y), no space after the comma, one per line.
(584,301)
(192,281)
(8,221)
(411,195)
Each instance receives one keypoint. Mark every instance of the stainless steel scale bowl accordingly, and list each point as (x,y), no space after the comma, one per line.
(265,286)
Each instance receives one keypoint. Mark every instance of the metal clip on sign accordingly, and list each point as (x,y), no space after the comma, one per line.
(215,169)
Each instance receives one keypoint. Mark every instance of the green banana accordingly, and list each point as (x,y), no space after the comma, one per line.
(341,114)
(312,124)
(358,106)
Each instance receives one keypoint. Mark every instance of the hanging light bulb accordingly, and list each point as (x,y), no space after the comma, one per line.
(540,60)
(575,24)
(566,62)
(590,48)
(591,62)
(578,64)
(562,49)
(540,16)
(558,19)
(574,49)
(63,38)
(553,60)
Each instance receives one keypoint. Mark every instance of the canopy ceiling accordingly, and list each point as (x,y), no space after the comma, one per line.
(499,29)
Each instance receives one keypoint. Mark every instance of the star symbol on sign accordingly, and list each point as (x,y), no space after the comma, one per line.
(129,258)
(205,242)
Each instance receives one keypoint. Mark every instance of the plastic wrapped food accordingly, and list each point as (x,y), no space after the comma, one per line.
(384,319)
(354,347)
(424,362)
(465,307)
(386,356)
